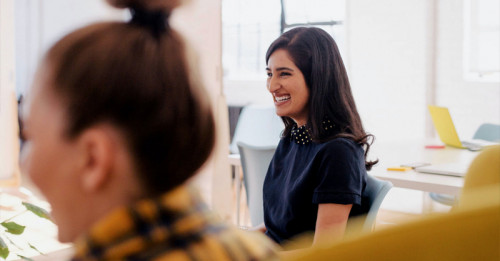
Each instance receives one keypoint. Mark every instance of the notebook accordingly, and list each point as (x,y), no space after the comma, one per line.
(447,133)
(458,169)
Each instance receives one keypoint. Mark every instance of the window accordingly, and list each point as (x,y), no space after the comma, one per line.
(249,27)
(482,40)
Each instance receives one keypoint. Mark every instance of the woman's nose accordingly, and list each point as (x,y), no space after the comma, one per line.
(272,84)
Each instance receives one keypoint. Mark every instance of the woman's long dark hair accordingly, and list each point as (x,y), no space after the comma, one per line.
(317,56)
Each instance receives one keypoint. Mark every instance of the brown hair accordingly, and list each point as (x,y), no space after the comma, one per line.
(123,74)
(317,56)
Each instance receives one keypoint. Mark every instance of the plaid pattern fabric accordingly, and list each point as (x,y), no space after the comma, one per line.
(175,226)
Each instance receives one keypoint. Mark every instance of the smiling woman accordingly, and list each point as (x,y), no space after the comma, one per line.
(318,173)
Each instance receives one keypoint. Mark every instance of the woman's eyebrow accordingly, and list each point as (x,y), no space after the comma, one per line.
(281,69)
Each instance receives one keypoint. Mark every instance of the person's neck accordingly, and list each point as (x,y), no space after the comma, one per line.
(300,123)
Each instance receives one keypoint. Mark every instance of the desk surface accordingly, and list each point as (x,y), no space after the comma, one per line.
(397,153)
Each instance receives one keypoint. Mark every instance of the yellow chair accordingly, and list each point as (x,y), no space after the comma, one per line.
(483,174)
(470,232)
(487,132)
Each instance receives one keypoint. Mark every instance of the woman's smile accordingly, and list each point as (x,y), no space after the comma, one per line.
(288,87)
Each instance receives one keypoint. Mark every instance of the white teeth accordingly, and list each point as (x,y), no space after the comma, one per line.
(282,98)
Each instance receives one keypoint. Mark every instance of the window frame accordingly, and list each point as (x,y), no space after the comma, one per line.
(233,85)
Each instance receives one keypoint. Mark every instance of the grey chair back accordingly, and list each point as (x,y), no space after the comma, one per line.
(373,195)
(255,162)
(488,131)
(257,125)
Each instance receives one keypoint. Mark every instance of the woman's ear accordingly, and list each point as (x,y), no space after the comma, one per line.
(96,147)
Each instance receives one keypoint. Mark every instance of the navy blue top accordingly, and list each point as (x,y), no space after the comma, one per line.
(303,174)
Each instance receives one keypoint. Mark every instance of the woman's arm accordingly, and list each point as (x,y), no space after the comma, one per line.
(261,228)
(330,225)
(331,222)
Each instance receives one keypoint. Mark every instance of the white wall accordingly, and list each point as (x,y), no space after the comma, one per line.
(38,24)
(200,22)
(470,103)
(386,46)
(406,54)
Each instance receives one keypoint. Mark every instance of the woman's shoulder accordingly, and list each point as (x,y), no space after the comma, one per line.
(341,142)
(341,146)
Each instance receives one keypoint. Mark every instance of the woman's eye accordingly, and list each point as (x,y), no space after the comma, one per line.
(269,75)
(285,74)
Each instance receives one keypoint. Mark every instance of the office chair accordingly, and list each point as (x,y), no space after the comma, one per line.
(488,132)
(484,171)
(255,162)
(372,197)
(258,125)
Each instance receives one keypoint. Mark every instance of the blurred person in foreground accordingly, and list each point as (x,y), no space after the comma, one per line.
(115,124)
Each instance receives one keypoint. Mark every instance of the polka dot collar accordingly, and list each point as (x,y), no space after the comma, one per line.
(301,135)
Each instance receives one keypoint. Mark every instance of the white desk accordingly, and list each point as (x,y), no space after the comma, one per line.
(234,160)
(397,153)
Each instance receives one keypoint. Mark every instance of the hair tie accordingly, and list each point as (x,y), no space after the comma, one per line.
(156,21)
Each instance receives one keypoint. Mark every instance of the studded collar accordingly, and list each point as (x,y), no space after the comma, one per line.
(302,136)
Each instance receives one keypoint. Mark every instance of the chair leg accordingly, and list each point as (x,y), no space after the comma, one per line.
(237,178)
(427,204)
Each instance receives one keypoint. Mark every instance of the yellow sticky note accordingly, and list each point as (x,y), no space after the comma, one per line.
(398,168)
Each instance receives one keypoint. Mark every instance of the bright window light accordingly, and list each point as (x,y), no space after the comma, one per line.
(482,40)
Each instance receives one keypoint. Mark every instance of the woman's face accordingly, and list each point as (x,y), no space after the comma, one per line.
(288,87)
(50,160)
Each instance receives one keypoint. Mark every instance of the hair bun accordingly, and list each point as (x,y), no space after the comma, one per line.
(153,5)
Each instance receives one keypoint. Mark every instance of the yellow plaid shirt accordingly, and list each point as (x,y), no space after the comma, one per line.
(175,226)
